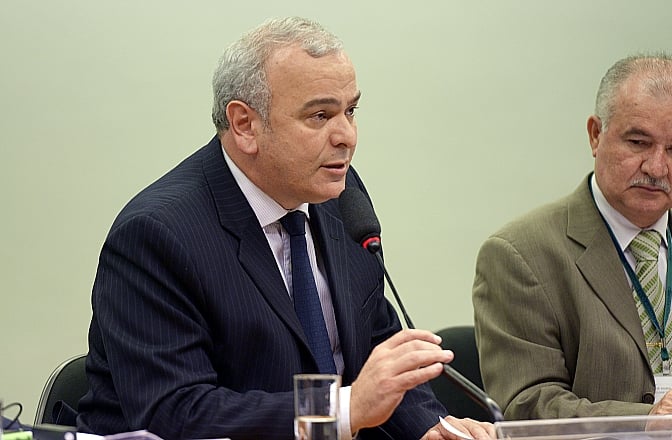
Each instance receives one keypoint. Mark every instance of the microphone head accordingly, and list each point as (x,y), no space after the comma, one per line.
(359,218)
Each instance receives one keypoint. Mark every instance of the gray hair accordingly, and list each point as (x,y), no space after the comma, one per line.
(656,68)
(241,73)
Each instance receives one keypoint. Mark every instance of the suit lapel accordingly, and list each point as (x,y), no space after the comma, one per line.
(237,217)
(599,263)
(331,240)
(254,253)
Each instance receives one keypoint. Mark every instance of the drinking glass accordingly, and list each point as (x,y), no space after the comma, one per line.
(316,406)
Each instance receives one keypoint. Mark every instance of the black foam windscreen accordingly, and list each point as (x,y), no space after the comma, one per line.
(358,216)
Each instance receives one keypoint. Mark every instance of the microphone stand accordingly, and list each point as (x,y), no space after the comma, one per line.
(471,389)
(362,225)
(407,318)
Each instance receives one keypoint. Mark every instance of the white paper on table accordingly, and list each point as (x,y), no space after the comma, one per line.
(453,430)
(135,435)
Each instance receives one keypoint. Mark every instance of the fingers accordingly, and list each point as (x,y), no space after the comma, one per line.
(411,365)
(475,429)
(433,434)
(402,362)
(411,349)
(663,406)
(412,335)
(401,366)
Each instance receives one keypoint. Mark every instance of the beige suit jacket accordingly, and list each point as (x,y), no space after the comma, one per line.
(556,322)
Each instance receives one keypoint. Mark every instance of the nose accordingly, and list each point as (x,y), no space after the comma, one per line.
(344,132)
(656,164)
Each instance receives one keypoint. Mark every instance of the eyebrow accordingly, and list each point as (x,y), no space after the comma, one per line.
(330,101)
(636,131)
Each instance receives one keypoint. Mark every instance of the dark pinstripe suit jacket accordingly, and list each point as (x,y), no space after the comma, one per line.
(193,333)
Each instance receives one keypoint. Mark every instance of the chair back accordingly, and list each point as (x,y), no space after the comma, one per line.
(65,386)
(461,340)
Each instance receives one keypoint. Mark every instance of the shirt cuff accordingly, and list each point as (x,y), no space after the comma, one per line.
(344,414)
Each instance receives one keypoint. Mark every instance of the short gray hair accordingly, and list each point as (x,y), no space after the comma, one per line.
(241,73)
(657,68)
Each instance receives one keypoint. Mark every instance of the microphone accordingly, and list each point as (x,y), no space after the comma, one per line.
(361,223)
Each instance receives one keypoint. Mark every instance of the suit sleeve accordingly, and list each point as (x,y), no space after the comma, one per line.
(519,338)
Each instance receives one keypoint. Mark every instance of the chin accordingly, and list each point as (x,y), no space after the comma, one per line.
(324,197)
(647,216)
(330,190)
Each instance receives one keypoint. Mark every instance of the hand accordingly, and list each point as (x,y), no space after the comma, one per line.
(477,430)
(664,405)
(404,361)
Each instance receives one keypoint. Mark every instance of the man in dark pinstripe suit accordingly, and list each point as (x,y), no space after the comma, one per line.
(194,334)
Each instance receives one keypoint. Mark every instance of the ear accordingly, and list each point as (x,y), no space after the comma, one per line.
(594,127)
(243,121)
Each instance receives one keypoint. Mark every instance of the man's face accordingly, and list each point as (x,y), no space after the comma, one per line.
(305,153)
(633,156)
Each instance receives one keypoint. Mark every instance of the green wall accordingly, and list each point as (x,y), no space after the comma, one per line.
(472,113)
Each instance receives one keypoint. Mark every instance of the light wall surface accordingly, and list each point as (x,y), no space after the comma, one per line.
(472,113)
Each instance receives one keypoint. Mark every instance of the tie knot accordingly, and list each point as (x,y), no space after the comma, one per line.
(645,246)
(294,223)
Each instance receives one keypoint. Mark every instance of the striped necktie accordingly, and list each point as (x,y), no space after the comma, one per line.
(645,247)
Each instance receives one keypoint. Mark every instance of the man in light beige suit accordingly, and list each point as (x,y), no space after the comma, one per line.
(556,314)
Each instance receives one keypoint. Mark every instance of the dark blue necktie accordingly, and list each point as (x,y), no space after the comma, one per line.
(306,299)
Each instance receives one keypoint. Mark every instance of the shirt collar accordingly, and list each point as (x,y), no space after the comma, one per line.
(267,210)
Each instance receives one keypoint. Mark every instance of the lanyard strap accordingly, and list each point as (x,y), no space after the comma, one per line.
(643,298)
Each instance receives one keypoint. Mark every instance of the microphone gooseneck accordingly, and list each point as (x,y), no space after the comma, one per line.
(361,223)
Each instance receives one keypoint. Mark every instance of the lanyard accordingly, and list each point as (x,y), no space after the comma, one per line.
(643,298)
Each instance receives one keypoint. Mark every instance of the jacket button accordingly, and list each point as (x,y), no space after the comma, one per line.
(648,398)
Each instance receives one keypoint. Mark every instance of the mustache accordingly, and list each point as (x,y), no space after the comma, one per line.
(662,184)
